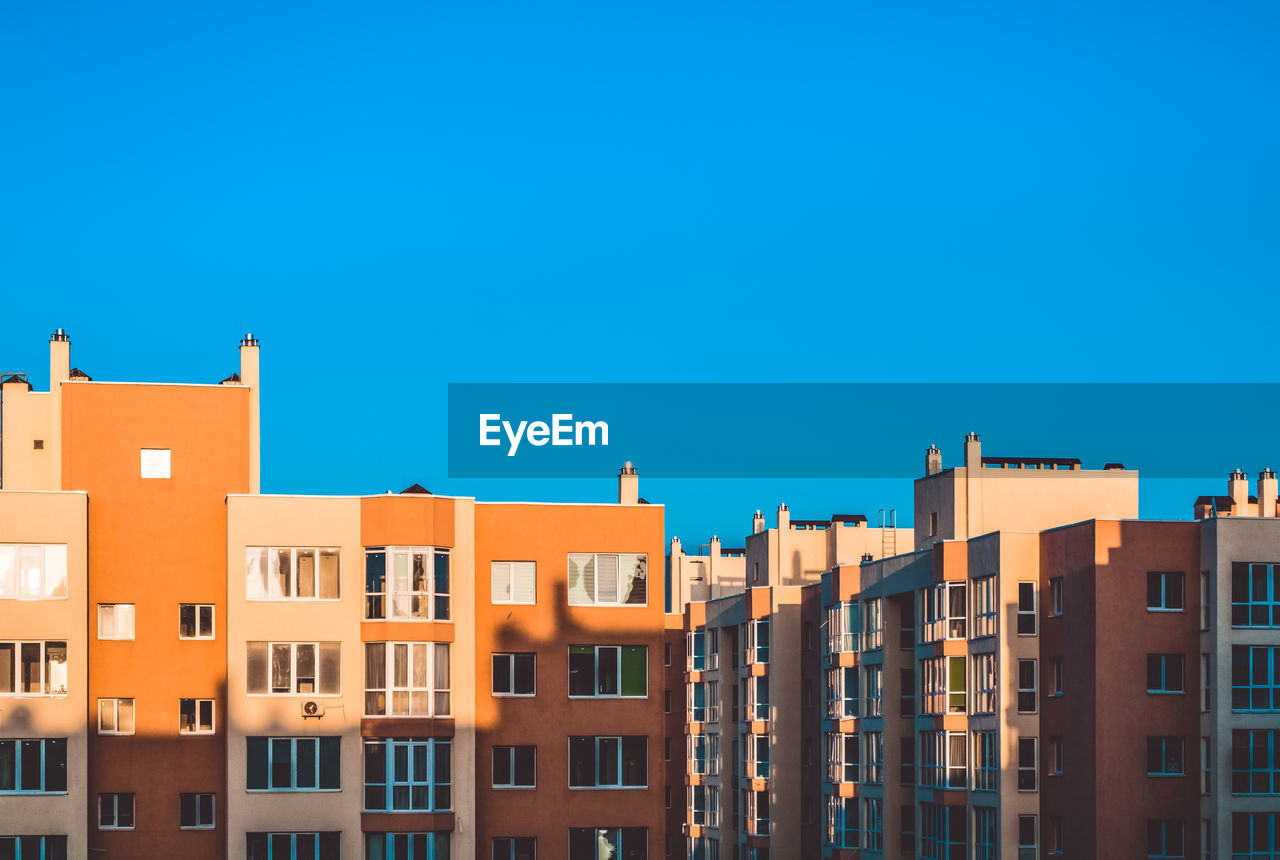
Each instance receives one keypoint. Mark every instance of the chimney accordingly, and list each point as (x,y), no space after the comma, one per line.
(784,517)
(675,547)
(757,523)
(249,378)
(1238,490)
(628,485)
(972,452)
(932,461)
(59,357)
(715,546)
(866,557)
(1267,493)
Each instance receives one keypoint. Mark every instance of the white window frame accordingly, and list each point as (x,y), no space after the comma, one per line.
(509,571)
(114,706)
(202,798)
(872,624)
(757,710)
(1033,613)
(196,703)
(213,621)
(434,652)
(317,693)
(272,556)
(396,602)
(873,687)
(46,679)
(1033,689)
(642,559)
(155,463)
(114,797)
(985,684)
(24,577)
(1034,769)
(986,598)
(117,612)
(758,629)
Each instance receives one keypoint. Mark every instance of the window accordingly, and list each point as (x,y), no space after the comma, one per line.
(1026,686)
(115,620)
(666,654)
(842,627)
(291,573)
(933,523)
(293,764)
(406,583)
(875,675)
(115,716)
(195,716)
(294,846)
(704,847)
(906,761)
(842,757)
(874,823)
(984,683)
(872,625)
(156,462)
(986,838)
(1254,680)
(514,581)
(1055,676)
(1055,595)
(943,831)
(195,621)
(704,754)
(406,679)
(944,685)
(115,811)
(515,848)
(1206,766)
(1027,757)
(757,756)
(842,692)
(696,648)
(1164,837)
(419,846)
(1255,761)
(604,579)
(514,674)
(944,761)
(608,762)
(1206,683)
(758,697)
(704,806)
(1165,673)
(195,811)
(986,761)
(608,671)
(943,611)
(1206,601)
(33,668)
(1255,595)
(290,668)
(617,843)
(875,757)
(1166,756)
(515,767)
(1057,836)
(758,813)
(1056,755)
(907,833)
(407,775)
(1255,835)
(985,600)
(758,641)
(1027,844)
(33,766)
(33,847)
(906,692)
(842,822)
(1164,592)
(1026,609)
(33,571)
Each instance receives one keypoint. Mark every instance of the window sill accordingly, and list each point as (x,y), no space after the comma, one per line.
(513,603)
(514,787)
(1164,609)
(514,695)
(1166,692)
(411,716)
(632,698)
(198,639)
(294,695)
(203,733)
(33,793)
(199,827)
(33,695)
(608,788)
(293,791)
(406,811)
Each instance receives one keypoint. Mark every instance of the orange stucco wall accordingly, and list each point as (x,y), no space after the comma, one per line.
(156,543)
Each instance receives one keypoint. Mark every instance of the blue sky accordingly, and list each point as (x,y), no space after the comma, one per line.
(399,196)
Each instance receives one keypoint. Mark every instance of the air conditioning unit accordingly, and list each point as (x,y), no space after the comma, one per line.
(312,709)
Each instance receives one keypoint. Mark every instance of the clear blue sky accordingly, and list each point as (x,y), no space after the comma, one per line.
(398,196)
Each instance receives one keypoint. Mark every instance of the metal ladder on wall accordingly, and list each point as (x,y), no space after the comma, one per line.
(888,532)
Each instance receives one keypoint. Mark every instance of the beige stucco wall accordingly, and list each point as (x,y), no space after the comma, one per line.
(28,416)
(51,518)
(294,522)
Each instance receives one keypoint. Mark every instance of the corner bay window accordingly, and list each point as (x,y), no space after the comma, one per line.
(943,613)
(406,583)
(406,679)
(294,668)
(608,671)
(608,579)
(608,762)
(407,775)
(33,668)
(291,573)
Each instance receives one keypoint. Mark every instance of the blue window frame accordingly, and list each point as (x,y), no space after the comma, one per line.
(1255,595)
(1255,763)
(1254,684)
(1254,836)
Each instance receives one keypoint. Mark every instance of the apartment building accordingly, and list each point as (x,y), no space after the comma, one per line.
(1073,681)
(193,668)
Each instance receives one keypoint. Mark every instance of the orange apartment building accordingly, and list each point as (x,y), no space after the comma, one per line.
(197,669)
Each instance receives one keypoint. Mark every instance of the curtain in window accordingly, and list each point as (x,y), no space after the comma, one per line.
(442,679)
(634,579)
(582,578)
